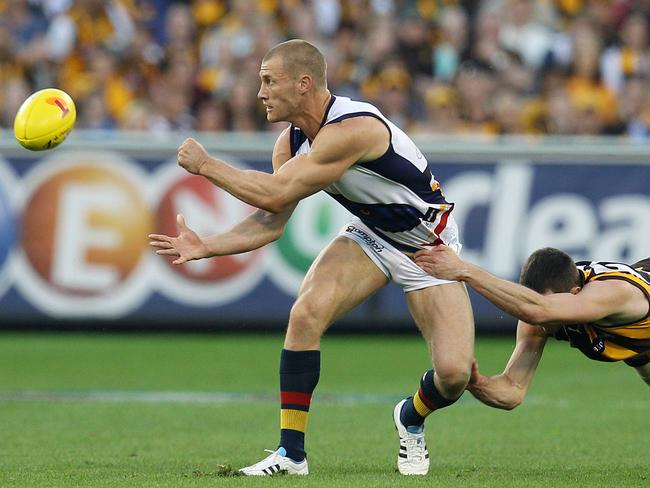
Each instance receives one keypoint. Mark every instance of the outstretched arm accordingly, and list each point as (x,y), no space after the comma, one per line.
(597,300)
(334,150)
(508,389)
(257,230)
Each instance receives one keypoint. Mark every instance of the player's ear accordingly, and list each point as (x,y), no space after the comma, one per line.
(305,82)
(575,290)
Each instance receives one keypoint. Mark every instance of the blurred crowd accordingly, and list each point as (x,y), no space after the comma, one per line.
(432,66)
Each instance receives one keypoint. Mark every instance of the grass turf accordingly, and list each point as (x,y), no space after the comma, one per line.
(583,424)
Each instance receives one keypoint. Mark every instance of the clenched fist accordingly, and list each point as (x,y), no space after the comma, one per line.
(192,156)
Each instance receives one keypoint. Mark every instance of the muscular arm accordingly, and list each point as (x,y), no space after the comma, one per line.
(258,229)
(334,150)
(261,227)
(596,301)
(508,389)
(275,195)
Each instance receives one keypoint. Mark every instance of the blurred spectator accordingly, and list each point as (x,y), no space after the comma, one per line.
(414,43)
(442,114)
(634,109)
(476,83)
(137,117)
(485,66)
(594,101)
(507,109)
(15,91)
(211,116)
(93,114)
(523,33)
(244,107)
(630,57)
(560,116)
(453,43)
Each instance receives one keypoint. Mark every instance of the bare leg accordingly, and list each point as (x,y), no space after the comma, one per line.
(341,278)
(443,314)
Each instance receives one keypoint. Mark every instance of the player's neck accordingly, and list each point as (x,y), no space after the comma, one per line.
(312,114)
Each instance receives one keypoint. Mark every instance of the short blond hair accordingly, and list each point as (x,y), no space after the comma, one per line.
(300,57)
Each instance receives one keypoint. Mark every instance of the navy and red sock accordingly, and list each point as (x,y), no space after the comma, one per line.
(424,402)
(299,374)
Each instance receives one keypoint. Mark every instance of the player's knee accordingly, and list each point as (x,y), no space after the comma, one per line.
(452,380)
(306,321)
(306,314)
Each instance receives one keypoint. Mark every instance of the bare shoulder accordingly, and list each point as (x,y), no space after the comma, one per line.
(617,291)
(609,287)
(624,300)
(366,137)
(282,149)
(607,293)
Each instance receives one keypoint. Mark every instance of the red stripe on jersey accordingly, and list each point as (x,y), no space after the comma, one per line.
(443,223)
(439,228)
(295,398)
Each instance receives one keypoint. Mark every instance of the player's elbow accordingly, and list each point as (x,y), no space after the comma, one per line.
(534,314)
(275,234)
(513,403)
(510,400)
(273,204)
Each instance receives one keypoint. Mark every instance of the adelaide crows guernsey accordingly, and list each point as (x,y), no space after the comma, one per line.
(395,195)
(626,341)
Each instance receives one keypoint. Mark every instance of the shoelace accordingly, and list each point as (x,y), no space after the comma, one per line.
(415,447)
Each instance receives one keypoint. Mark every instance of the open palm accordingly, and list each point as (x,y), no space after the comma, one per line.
(187,245)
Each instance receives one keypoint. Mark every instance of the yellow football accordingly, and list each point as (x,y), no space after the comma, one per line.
(44,120)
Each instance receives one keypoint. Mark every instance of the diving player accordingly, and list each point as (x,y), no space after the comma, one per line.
(601,308)
(372,168)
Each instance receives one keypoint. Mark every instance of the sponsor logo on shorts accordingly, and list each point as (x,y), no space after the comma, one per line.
(366,238)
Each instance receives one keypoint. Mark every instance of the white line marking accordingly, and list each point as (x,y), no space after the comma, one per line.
(224,397)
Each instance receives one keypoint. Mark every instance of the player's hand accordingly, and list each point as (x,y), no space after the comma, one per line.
(187,245)
(495,391)
(475,376)
(192,156)
(440,261)
(477,382)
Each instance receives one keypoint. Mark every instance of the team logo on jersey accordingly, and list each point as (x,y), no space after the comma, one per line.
(598,345)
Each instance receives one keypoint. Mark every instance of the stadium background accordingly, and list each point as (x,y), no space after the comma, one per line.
(533,114)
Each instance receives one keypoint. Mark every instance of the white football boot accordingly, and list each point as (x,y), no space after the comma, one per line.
(413,457)
(276,462)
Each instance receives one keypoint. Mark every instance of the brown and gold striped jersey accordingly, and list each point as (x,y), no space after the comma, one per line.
(626,341)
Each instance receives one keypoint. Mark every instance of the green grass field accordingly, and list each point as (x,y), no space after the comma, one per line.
(168,410)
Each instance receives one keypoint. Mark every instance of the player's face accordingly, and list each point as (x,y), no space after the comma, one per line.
(277,91)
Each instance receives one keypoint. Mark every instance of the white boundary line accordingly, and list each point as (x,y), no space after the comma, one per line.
(222,397)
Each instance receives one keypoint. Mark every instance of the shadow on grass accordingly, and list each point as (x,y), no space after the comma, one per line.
(221,471)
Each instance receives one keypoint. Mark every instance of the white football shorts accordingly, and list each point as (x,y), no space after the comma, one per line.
(397,266)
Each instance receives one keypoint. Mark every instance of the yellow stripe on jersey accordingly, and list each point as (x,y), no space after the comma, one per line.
(625,340)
